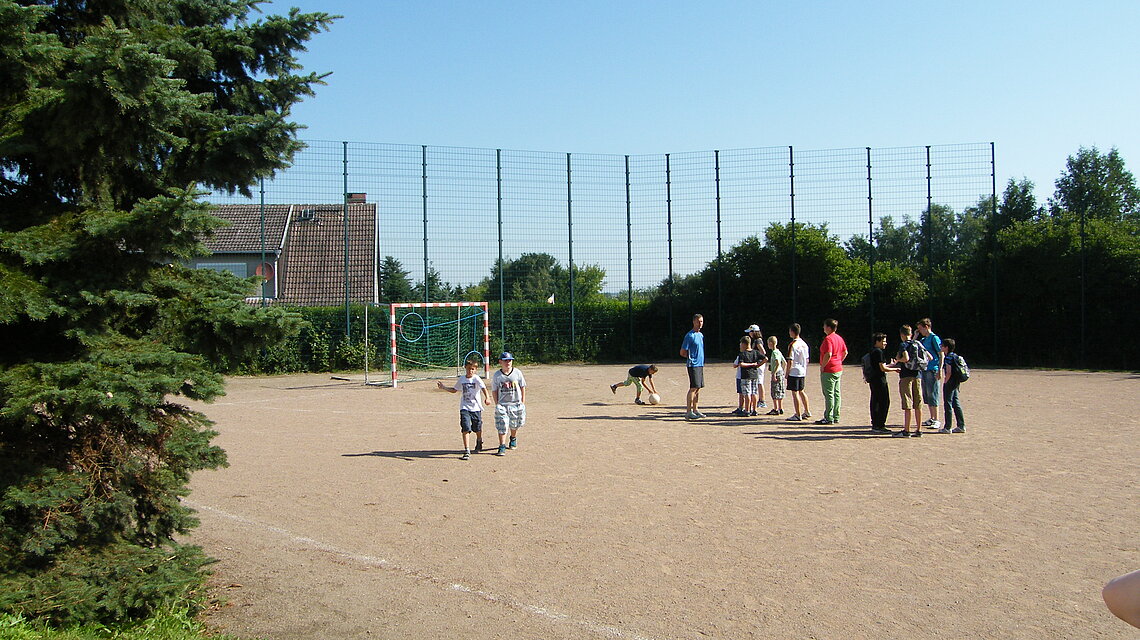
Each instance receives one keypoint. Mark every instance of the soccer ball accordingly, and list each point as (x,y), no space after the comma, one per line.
(654,398)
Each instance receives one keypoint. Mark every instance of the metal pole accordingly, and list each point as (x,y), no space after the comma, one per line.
(502,273)
(263,269)
(423,164)
(629,255)
(993,232)
(719,257)
(870,241)
(792,200)
(927,258)
(344,210)
(669,237)
(570,248)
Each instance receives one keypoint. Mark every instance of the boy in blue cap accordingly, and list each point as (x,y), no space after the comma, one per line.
(508,388)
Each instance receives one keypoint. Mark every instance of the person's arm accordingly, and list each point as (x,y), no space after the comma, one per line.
(486,399)
(439,383)
(1122,596)
(522,394)
(649,384)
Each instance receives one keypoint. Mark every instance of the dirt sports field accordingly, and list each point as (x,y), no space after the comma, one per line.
(347,513)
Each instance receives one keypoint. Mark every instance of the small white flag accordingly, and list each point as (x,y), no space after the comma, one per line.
(550,300)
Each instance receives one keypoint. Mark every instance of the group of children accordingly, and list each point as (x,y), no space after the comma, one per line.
(750,365)
(508,390)
(930,372)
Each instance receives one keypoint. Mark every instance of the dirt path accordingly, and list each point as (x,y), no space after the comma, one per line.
(346,513)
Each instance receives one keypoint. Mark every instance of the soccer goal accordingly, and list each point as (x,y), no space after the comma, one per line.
(433,339)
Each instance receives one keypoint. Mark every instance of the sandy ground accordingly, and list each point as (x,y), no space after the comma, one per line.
(347,513)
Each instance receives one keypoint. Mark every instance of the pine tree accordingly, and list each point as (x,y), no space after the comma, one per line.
(113,117)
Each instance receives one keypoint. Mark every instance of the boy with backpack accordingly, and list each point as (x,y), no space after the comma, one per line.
(875,368)
(911,361)
(956,372)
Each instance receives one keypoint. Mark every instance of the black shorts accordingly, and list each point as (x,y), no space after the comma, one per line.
(795,383)
(470,421)
(696,377)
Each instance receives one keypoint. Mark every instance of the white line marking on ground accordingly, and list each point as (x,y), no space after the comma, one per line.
(373,561)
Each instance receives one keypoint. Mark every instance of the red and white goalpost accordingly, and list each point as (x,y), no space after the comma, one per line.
(431,341)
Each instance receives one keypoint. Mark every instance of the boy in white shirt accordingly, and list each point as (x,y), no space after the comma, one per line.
(798,353)
(470,411)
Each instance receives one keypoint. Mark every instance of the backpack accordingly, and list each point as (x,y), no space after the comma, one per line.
(869,368)
(919,356)
(961,369)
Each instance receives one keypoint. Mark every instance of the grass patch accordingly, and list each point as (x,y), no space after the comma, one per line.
(166,625)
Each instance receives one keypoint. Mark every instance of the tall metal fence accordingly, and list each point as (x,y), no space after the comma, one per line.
(645,221)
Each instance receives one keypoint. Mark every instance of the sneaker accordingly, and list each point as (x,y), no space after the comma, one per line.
(699,414)
(738,412)
(900,434)
(638,401)
(478,445)
(502,450)
(934,424)
(780,413)
(805,415)
(513,444)
(928,422)
(466,455)
(916,434)
(795,418)
(773,412)
(689,415)
(762,404)
(613,389)
(880,430)
(958,430)
(944,430)
(752,413)
(824,421)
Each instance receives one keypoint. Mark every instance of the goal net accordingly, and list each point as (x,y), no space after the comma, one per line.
(433,339)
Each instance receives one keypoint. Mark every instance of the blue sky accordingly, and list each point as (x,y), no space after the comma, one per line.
(1040,79)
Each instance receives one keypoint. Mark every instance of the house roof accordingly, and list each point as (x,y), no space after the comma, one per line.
(311,271)
(243,235)
(314,269)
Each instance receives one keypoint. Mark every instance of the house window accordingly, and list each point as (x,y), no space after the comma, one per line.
(239,269)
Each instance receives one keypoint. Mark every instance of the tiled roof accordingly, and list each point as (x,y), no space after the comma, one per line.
(243,235)
(312,269)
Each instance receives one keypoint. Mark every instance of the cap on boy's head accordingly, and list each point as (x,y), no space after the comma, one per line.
(506,355)
(752,327)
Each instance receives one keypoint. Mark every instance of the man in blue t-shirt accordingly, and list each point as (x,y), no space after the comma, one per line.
(693,350)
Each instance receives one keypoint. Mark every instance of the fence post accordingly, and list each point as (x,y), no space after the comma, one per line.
(870,241)
(719,258)
(994,245)
(669,237)
(570,246)
(263,270)
(502,274)
(629,255)
(423,164)
(792,200)
(926,259)
(344,211)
